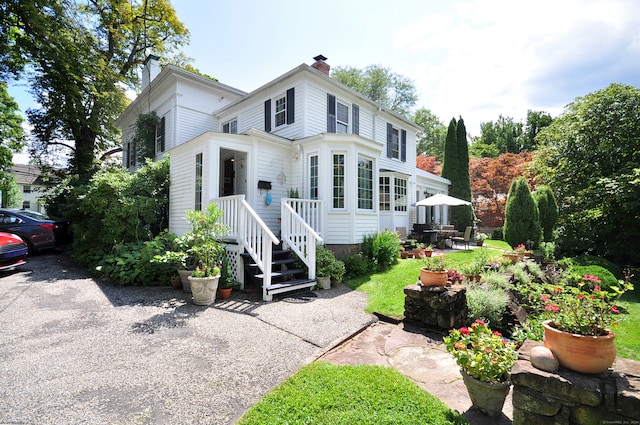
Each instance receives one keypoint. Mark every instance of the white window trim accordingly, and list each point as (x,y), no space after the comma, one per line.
(374,183)
(344,181)
(283,111)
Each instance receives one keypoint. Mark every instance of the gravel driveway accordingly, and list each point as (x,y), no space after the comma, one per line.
(74,350)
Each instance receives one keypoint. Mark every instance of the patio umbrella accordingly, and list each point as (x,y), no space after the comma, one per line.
(441,199)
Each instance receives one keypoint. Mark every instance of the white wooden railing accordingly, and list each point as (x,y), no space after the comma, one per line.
(249,230)
(299,218)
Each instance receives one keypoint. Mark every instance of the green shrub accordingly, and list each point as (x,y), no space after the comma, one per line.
(366,247)
(522,219)
(487,304)
(386,249)
(607,278)
(495,280)
(497,234)
(357,265)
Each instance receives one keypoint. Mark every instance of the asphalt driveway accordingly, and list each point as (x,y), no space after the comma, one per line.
(75,350)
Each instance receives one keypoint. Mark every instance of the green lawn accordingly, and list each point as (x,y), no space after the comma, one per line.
(323,393)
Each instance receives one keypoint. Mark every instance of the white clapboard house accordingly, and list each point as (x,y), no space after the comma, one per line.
(300,161)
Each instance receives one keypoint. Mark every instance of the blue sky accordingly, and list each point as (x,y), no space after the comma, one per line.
(471,58)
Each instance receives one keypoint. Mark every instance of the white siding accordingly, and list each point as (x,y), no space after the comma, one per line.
(182,190)
(192,124)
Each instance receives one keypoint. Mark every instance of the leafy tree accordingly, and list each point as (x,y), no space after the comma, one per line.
(505,135)
(491,179)
(391,90)
(522,221)
(456,169)
(536,121)
(80,58)
(11,195)
(428,164)
(548,209)
(11,132)
(589,156)
(431,139)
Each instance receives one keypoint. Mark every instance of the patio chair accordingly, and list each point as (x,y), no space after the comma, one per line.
(463,239)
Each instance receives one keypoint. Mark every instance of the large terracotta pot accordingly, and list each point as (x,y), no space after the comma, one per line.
(433,278)
(580,353)
(512,256)
(486,397)
(204,289)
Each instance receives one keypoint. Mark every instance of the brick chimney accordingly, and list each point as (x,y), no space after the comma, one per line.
(321,65)
(150,70)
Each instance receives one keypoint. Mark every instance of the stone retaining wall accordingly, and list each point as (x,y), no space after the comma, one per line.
(443,307)
(567,397)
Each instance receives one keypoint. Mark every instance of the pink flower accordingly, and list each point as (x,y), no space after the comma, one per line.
(544,298)
(551,307)
(615,309)
(465,331)
(497,333)
(480,322)
(596,288)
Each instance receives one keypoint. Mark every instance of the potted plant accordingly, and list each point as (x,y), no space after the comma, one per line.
(578,329)
(485,359)
(206,231)
(418,249)
(434,272)
(428,250)
(480,237)
(226,282)
(324,266)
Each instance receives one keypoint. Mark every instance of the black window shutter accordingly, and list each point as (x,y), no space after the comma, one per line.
(331,113)
(267,116)
(403,145)
(355,126)
(291,107)
(162,124)
(389,140)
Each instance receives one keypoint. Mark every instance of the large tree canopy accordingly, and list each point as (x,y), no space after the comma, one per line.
(80,57)
(590,157)
(391,90)
(431,139)
(11,132)
(508,136)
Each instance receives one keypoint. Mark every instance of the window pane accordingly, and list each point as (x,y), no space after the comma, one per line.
(198,191)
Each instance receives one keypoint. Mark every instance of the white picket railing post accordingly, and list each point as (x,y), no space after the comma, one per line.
(298,218)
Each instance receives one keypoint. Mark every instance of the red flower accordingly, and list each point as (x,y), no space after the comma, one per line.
(480,322)
(496,333)
(580,296)
(465,331)
(615,309)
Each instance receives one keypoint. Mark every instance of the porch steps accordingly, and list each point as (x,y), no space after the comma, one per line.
(286,275)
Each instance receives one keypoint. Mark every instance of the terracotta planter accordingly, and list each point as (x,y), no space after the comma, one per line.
(479,243)
(580,353)
(224,293)
(176,284)
(184,278)
(428,253)
(204,289)
(433,278)
(486,397)
(513,257)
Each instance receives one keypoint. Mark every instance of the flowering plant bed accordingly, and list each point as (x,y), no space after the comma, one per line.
(482,353)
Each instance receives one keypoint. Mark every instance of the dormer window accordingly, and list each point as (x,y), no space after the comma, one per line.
(230,127)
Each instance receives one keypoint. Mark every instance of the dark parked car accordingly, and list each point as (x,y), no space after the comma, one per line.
(40,231)
(13,250)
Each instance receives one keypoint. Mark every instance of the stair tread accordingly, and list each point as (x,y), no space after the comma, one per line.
(282,273)
(276,262)
(290,283)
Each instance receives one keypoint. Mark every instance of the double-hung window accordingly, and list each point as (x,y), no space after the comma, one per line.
(198,183)
(342,118)
(281,111)
(159,136)
(396,143)
(338,181)
(365,183)
(385,193)
(313,177)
